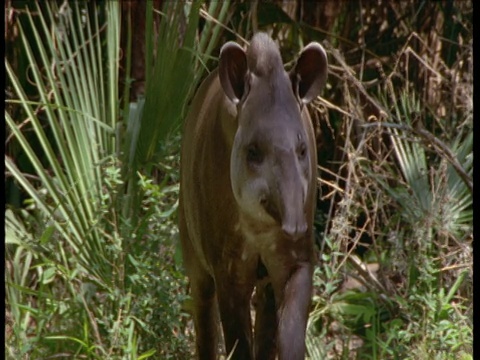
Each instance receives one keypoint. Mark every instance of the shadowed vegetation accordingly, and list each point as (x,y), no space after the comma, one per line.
(95,97)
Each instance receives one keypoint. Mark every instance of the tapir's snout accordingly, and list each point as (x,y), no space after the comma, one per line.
(291,218)
(295,230)
(285,202)
(294,221)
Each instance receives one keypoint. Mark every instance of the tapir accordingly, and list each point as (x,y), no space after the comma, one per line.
(247,200)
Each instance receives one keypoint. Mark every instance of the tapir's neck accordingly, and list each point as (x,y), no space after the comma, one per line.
(260,235)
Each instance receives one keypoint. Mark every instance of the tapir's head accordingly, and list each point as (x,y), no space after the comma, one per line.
(270,167)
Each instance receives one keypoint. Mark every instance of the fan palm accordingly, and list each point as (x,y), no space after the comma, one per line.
(83,184)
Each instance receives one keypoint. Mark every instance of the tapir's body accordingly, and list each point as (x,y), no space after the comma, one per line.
(247,200)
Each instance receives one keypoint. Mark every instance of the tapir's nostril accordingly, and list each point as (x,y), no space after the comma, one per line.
(294,230)
(263,200)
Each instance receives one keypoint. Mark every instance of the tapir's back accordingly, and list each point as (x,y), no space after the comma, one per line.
(205,188)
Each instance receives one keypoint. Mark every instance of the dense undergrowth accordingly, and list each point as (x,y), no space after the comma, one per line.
(92,264)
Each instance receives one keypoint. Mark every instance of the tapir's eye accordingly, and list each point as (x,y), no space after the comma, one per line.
(302,150)
(254,154)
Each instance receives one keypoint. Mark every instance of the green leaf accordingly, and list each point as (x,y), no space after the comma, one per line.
(48,275)
(47,234)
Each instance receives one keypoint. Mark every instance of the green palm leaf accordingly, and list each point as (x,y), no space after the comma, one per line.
(69,161)
(72,242)
(174,67)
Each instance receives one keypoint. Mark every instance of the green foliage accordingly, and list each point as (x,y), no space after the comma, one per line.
(401,198)
(138,315)
(92,267)
(411,183)
(66,161)
(172,73)
(91,272)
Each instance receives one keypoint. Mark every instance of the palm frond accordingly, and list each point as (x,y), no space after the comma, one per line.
(432,192)
(77,105)
(174,66)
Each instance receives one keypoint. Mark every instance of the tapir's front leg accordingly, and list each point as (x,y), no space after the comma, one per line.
(293,313)
(235,282)
(265,322)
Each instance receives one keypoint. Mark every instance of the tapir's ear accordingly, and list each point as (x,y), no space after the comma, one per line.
(232,70)
(310,73)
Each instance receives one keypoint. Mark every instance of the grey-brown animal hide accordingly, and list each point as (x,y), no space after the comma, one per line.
(247,200)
